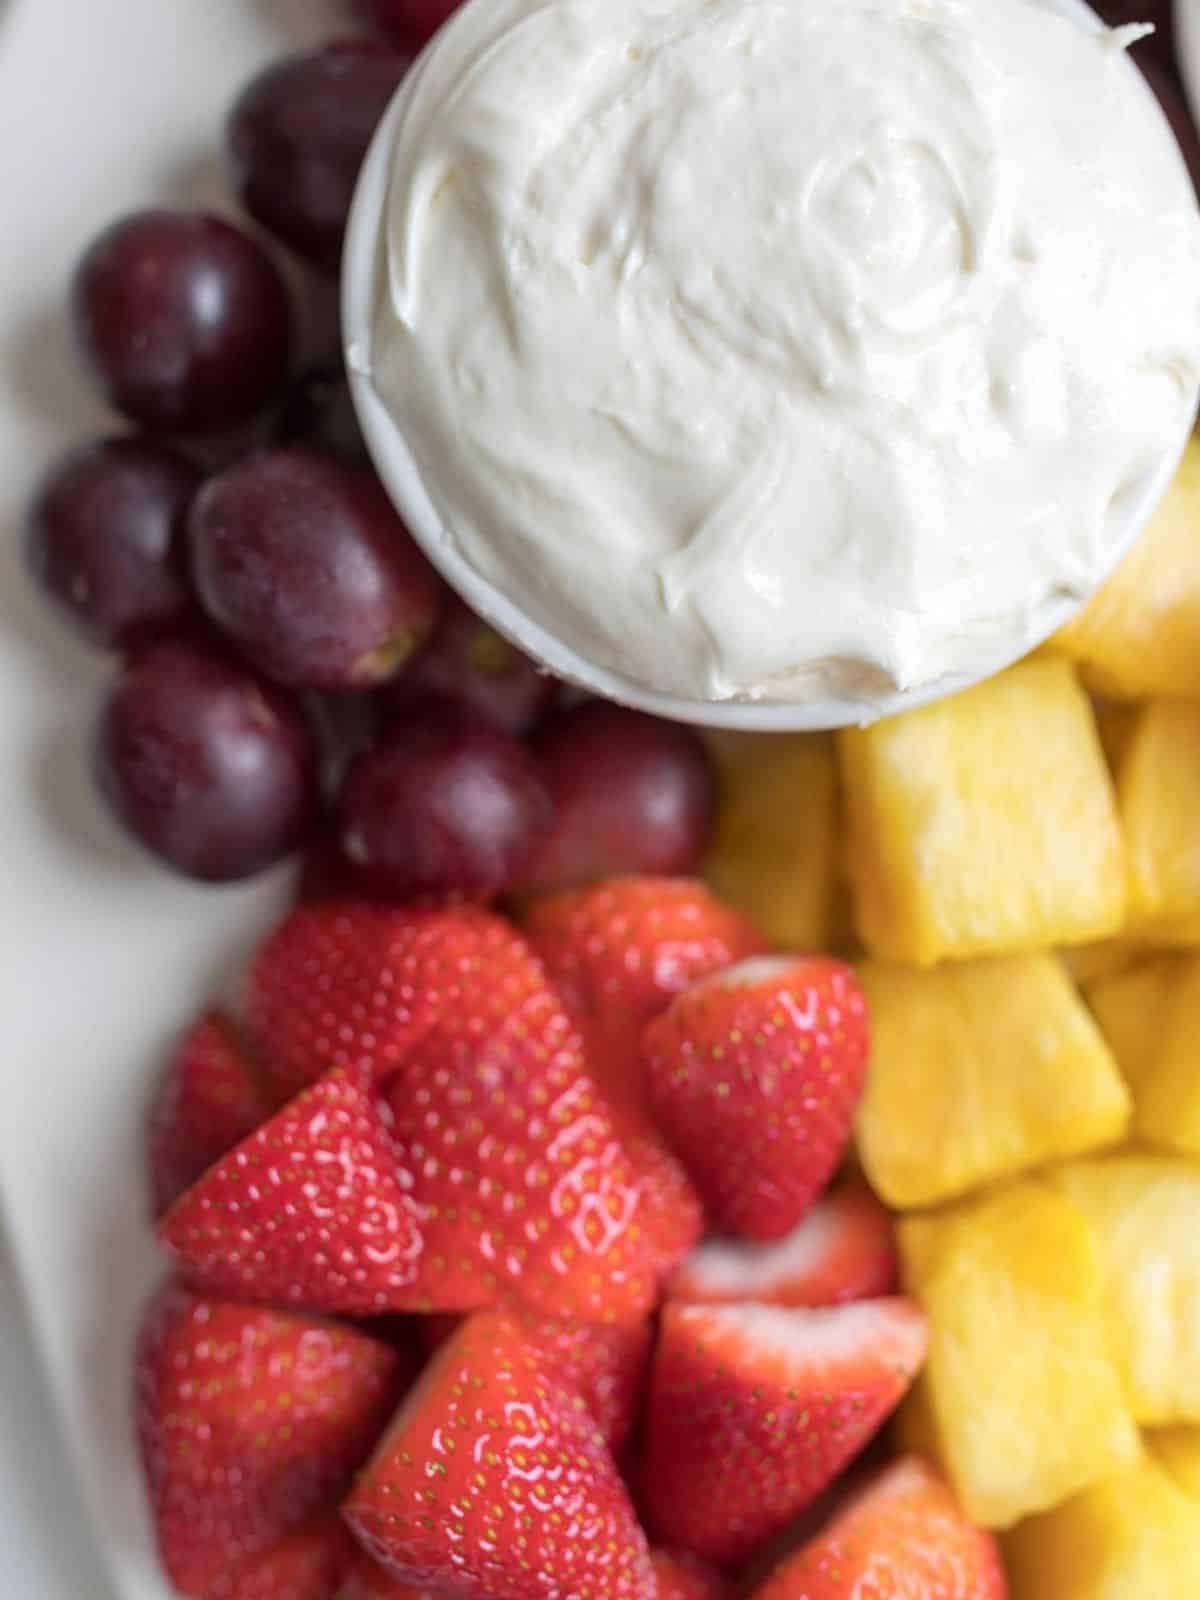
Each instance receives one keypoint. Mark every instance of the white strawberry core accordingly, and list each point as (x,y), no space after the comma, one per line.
(726,1266)
(745,974)
(890,1331)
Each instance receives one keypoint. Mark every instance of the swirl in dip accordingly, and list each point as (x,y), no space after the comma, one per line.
(781,349)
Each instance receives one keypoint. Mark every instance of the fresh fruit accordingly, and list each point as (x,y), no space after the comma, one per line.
(680,1576)
(755,1074)
(302,561)
(469,661)
(209,1099)
(1022,1387)
(842,1249)
(182,319)
(957,814)
(631,794)
(414,21)
(318,413)
(772,852)
(308,1565)
(980,1070)
(313,1209)
(1144,1213)
(1131,1536)
(606,1363)
(104,538)
(352,984)
(1157,786)
(1140,634)
(901,1536)
(209,767)
(367,1580)
(526,1179)
(753,1410)
(297,137)
(446,803)
(1178,1451)
(249,1422)
(619,952)
(1131,1009)
(1168,1096)
(493,1480)
(1161,73)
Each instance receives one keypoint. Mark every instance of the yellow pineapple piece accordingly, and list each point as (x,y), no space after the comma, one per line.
(1178,1451)
(1134,1536)
(1168,1096)
(914,1428)
(1140,634)
(1024,1392)
(980,1070)
(984,824)
(1158,794)
(773,854)
(1144,1212)
(1115,722)
(1088,962)
(1131,1009)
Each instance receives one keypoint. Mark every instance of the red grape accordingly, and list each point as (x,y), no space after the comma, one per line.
(414,22)
(631,794)
(297,137)
(306,566)
(469,661)
(446,804)
(104,537)
(1159,47)
(211,768)
(183,319)
(318,411)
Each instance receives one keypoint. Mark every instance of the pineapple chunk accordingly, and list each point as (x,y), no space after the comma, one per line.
(1135,1536)
(1178,1450)
(1158,789)
(1168,1098)
(1115,722)
(1104,959)
(1144,1212)
(980,1070)
(1131,1009)
(984,824)
(1025,1395)
(772,854)
(1140,634)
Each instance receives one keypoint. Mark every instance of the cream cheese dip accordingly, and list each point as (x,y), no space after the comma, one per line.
(779,349)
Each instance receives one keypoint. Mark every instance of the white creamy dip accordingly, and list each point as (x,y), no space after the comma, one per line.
(785,348)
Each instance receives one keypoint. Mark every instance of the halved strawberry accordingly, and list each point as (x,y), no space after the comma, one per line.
(250,1421)
(754,1409)
(309,1565)
(605,1362)
(755,1075)
(313,1209)
(844,1248)
(903,1536)
(684,1577)
(620,952)
(354,984)
(208,1099)
(493,1481)
(528,1183)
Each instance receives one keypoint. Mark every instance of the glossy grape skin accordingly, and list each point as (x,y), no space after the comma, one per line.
(303,562)
(632,794)
(413,22)
(183,320)
(210,768)
(319,412)
(104,538)
(1175,109)
(445,804)
(297,136)
(470,662)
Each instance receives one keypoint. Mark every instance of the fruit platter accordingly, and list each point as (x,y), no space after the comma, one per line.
(464,1136)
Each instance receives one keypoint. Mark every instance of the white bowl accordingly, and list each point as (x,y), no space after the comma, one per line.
(396,467)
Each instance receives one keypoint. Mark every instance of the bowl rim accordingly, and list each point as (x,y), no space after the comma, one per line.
(397,469)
